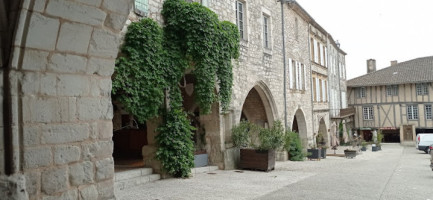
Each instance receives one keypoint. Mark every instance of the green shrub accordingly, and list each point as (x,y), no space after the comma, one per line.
(293,146)
(272,138)
(249,135)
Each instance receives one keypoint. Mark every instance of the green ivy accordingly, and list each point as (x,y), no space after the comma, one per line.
(154,60)
(139,81)
(175,145)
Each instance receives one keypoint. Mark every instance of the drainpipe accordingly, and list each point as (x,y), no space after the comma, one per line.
(284,63)
(311,81)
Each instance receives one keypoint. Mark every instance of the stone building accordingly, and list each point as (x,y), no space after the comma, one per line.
(396,100)
(57,58)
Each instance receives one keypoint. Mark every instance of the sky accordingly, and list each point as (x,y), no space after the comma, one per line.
(383,30)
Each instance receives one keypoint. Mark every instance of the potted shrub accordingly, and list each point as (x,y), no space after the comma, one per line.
(257,145)
(379,140)
(363,146)
(349,153)
(321,144)
(313,153)
(293,146)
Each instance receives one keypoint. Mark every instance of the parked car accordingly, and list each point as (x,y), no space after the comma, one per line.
(423,141)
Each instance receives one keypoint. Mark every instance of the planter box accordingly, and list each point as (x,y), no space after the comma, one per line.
(373,149)
(379,148)
(364,149)
(349,153)
(257,160)
(323,153)
(200,160)
(314,154)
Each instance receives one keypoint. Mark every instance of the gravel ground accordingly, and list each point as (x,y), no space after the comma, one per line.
(396,172)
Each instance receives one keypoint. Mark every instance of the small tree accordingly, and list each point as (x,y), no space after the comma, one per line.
(293,146)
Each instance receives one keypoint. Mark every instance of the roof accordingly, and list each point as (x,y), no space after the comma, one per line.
(418,70)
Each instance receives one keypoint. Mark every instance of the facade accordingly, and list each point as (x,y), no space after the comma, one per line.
(57,120)
(396,100)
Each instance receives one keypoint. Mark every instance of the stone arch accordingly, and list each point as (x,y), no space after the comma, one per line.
(259,105)
(323,131)
(299,125)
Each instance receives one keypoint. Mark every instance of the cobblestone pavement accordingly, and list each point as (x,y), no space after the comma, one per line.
(396,172)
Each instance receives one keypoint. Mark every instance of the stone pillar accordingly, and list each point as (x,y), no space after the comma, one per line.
(62,61)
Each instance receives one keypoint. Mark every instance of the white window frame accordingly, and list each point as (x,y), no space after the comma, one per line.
(141,7)
(361,92)
(421,88)
(391,90)
(412,112)
(428,111)
(266,32)
(368,113)
(240,18)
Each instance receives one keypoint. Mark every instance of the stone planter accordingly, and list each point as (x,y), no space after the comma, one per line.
(314,154)
(349,153)
(200,160)
(363,148)
(257,160)
(323,153)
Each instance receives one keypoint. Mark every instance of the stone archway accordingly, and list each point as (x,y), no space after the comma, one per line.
(258,106)
(299,125)
(323,131)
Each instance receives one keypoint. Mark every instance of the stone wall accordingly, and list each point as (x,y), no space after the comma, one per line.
(63,58)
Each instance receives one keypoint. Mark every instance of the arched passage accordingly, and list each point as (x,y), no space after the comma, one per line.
(322,137)
(258,106)
(299,125)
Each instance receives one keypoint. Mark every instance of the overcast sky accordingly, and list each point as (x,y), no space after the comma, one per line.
(384,30)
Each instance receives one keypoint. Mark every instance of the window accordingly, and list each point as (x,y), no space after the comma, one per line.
(421,89)
(428,113)
(295,85)
(141,7)
(325,56)
(321,89)
(303,77)
(312,49)
(240,18)
(368,113)
(205,3)
(314,89)
(392,90)
(361,92)
(266,31)
(296,29)
(412,112)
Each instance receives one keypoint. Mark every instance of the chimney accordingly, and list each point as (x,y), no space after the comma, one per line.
(371,65)
(393,62)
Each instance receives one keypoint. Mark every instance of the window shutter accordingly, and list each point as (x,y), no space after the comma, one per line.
(290,74)
(326,57)
(305,77)
(318,89)
(316,55)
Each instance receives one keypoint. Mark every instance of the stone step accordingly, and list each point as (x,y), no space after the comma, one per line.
(132,173)
(120,185)
(200,170)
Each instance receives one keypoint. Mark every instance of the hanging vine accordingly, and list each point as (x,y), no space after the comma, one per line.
(154,60)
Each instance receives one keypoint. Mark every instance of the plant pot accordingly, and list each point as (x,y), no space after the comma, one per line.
(323,153)
(373,148)
(349,153)
(314,154)
(257,159)
(363,148)
(379,148)
(200,160)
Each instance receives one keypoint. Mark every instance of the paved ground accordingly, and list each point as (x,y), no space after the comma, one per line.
(394,173)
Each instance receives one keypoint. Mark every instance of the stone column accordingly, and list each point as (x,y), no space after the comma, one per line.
(62,61)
